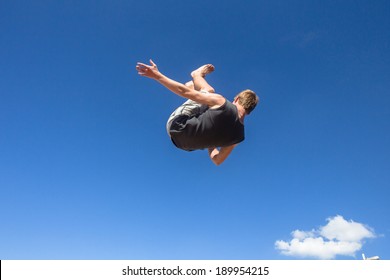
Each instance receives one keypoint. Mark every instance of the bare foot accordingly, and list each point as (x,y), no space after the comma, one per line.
(203,70)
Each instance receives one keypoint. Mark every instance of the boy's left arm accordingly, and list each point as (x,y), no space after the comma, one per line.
(219,156)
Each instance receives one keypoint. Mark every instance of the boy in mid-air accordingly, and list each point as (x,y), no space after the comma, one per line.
(207,120)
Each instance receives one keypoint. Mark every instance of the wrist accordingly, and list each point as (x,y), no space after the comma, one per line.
(158,76)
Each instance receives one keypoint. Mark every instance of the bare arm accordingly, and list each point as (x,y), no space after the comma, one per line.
(152,72)
(219,156)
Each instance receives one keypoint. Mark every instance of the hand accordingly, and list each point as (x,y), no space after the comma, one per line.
(149,71)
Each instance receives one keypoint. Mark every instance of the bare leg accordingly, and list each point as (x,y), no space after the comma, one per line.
(188,108)
(198,83)
(198,78)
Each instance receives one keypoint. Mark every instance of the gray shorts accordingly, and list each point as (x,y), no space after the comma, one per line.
(188,108)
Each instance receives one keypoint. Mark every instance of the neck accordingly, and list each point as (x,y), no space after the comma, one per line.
(241,112)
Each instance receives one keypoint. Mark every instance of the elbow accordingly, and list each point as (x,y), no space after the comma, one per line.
(216,157)
(216,161)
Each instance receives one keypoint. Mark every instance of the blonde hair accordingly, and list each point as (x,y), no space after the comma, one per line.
(248,100)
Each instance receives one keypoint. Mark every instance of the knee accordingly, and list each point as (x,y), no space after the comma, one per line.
(209,89)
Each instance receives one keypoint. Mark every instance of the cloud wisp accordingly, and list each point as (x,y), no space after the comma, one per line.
(337,237)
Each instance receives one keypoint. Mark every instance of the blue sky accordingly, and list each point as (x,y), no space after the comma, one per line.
(87,170)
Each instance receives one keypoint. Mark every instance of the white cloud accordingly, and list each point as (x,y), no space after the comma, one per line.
(340,229)
(337,237)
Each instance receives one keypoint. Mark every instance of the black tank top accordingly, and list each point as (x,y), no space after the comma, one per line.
(218,127)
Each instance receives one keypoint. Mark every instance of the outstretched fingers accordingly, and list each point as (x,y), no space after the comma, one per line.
(142,68)
(147,70)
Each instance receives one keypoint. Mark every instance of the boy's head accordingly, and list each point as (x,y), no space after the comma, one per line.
(248,100)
